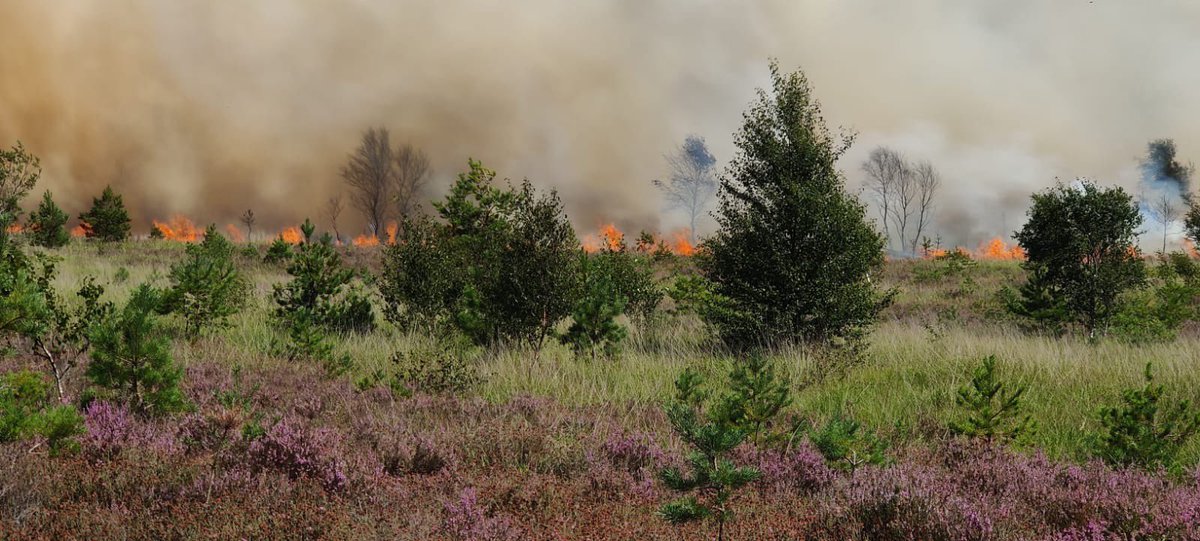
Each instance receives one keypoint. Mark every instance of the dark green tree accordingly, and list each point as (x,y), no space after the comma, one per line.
(1081,239)
(26,409)
(422,276)
(713,479)
(794,251)
(19,172)
(107,220)
(206,287)
(1039,305)
(321,288)
(594,327)
(48,224)
(992,408)
(1145,431)
(131,357)
(278,252)
(62,336)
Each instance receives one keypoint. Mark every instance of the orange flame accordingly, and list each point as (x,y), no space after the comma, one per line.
(681,245)
(614,239)
(180,229)
(15,228)
(363,241)
(291,235)
(78,232)
(1190,248)
(234,232)
(997,249)
(391,229)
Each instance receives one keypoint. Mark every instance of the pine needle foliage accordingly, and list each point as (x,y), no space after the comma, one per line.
(992,407)
(1144,430)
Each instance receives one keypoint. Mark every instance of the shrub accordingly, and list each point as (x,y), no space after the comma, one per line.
(1144,431)
(300,451)
(278,252)
(632,275)
(468,520)
(19,173)
(107,220)
(26,410)
(206,287)
(48,224)
(320,288)
(992,408)
(844,442)
(756,395)
(1081,239)
(307,341)
(794,251)
(131,357)
(1039,304)
(714,478)
(436,367)
(421,278)
(593,321)
(62,337)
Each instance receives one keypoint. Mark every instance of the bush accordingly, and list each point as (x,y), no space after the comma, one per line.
(299,451)
(278,252)
(632,276)
(1143,431)
(437,367)
(206,287)
(593,321)
(844,443)
(794,252)
(19,173)
(992,408)
(26,410)
(320,289)
(48,224)
(131,357)
(1039,304)
(421,278)
(61,337)
(1079,243)
(307,341)
(107,220)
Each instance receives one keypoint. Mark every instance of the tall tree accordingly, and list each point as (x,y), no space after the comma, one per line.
(885,167)
(48,224)
(412,172)
(1080,239)
(928,181)
(794,251)
(371,175)
(692,182)
(1165,213)
(107,220)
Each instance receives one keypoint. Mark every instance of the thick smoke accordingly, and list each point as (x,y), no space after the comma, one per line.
(207,108)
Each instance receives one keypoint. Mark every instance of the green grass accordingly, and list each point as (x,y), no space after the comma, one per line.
(918,356)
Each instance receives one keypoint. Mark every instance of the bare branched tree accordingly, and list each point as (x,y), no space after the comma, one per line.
(412,171)
(248,219)
(692,182)
(885,168)
(333,210)
(905,196)
(371,174)
(927,180)
(1164,212)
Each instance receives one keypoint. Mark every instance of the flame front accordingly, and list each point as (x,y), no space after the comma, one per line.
(291,235)
(234,232)
(180,228)
(363,241)
(15,228)
(993,250)
(78,232)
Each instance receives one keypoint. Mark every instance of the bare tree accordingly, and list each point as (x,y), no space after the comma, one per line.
(371,173)
(927,180)
(248,219)
(412,171)
(692,182)
(333,210)
(904,203)
(1164,212)
(886,168)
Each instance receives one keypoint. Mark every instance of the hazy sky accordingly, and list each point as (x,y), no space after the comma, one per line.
(207,108)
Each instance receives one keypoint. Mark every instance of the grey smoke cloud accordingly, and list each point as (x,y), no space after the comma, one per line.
(207,108)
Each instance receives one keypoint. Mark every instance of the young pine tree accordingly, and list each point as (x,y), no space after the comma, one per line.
(992,408)
(594,328)
(714,478)
(107,220)
(131,357)
(26,409)
(320,288)
(48,224)
(756,397)
(1143,431)
(206,287)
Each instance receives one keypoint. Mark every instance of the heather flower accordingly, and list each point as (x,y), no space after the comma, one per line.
(301,451)
(468,520)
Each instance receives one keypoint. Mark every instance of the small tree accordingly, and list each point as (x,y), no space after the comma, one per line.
(321,289)
(422,278)
(370,173)
(248,220)
(714,478)
(19,172)
(794,252)
(107,220)
(594,327)
(1143,431)
(692,182)
(206,287)
(1040,305)
(48,223)
(62,337)
(131,357)
(1081,238)
(992,408)
(756,397)
(26,410)
(333,210)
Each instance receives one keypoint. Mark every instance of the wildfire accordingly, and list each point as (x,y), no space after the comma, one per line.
(681,245)
(234,232)
(391,229)
(994,250)
(15,228)
(291,235)
(78,232)
(611,238)
(180,228)
(1190,248)
(363,241)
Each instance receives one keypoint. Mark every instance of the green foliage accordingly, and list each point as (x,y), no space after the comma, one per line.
(27,410)
(19,172)
(844,443)
(992,409)
(278,252)
(131,357)
(1039,304)
(695,294)
(794,251)
(1144,430)
(953,263)
(594,328)
(156,232)
(632,276)
(437,366)
(206,287)
(62,336)
(107,220)
(501,266)
(755,397)
(1081,239)
(307,341)
(708,488)
(1191,223)
(320,289)
(48,224)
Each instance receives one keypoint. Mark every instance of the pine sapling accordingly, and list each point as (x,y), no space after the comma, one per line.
(1143,431)
(993,408)
(756,397)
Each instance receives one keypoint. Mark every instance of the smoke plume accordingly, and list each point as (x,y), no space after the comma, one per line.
(207,108)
